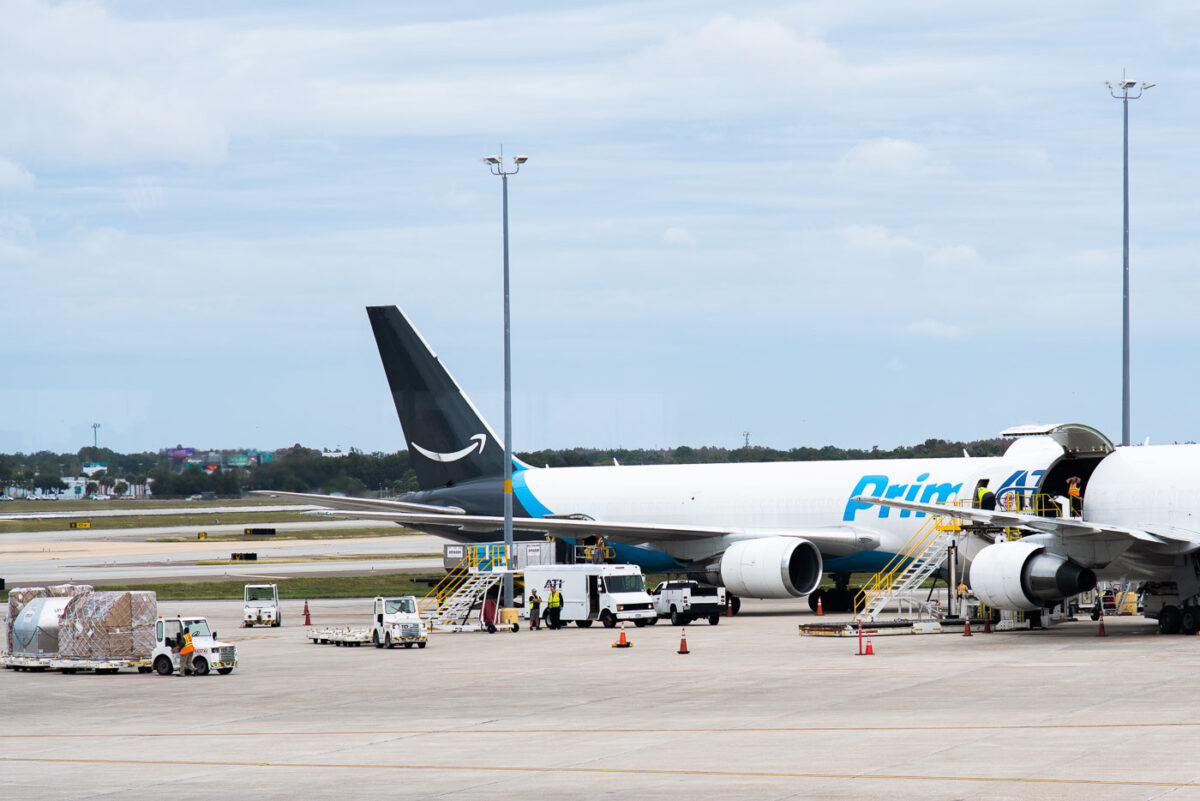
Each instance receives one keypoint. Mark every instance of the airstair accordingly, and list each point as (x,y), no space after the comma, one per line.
(448,605)
(897,583)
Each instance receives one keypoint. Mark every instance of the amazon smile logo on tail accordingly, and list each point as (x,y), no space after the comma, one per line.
(477,441)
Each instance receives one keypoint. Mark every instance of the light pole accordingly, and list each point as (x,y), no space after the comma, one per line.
(1121,91)
(496,165)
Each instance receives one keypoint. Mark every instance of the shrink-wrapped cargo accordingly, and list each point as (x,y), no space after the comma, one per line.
(18,597)
(143,607)
(68,590)
(98,625)
(36,627)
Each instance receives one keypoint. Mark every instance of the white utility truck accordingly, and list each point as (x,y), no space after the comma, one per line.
(684,601)
(260,606)
(395,621)
(608,593)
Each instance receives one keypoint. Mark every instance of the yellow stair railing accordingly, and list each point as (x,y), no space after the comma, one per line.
(884,581)
(478,559)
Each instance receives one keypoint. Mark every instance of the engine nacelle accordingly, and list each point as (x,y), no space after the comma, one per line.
(1021,575)
(771,567)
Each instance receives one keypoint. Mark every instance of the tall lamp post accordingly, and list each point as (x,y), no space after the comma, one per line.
(1121,91)
(496,165)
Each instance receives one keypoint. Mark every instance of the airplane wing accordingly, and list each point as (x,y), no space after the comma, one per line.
(1064,527)
(360,504)
(837,540)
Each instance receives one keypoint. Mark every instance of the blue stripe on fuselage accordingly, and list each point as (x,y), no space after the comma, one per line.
(532,506)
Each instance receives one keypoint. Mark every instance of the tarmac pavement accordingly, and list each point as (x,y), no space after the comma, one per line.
(754,711)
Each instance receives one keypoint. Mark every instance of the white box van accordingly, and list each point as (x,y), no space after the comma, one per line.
(608,593)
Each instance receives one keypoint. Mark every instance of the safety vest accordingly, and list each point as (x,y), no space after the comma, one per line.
(555,600)
(187,644)
(535,602)
(979,493)
(1073,491)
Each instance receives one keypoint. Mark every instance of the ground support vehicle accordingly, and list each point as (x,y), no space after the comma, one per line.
(591,592)
(684,601)
(211,654)
(260,606)
(394,621)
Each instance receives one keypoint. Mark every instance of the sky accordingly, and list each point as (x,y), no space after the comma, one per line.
(838,222)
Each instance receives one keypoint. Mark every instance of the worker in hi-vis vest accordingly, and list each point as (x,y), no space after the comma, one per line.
(554,609)
(1075,495)
(185,653)
(984,497)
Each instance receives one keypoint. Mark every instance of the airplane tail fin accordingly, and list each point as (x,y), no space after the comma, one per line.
(448,441)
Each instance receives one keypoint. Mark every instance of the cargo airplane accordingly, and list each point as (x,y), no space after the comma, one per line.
(763,530)
(1139,520)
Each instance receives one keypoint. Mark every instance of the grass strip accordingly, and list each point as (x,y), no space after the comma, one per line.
(281,536)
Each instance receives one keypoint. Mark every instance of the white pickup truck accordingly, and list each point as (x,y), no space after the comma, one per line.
(684,601)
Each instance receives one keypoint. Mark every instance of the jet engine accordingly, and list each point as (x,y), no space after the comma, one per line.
(771,567)
(1021,575)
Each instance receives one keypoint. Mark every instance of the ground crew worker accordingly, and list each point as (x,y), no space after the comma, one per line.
(984,497)
(1075,495)
(599,551)
(185,653)
(554,609)
(535,605)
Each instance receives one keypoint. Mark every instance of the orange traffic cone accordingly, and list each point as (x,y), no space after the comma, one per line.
(870,651)
(967,627)
(683,649)
(307,619)
(622,643)
(820,609)
(1101,632)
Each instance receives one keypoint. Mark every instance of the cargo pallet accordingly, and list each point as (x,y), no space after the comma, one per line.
(339,636)
(72,665)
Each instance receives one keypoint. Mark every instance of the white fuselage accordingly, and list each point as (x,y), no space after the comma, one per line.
(780,498)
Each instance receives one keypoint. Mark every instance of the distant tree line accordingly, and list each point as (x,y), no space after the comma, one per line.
(300,469)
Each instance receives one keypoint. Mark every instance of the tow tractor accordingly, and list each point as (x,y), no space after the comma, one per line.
(395,621)
(261,606)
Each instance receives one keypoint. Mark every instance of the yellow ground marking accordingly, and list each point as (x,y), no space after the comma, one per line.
(614,770)
(723,730)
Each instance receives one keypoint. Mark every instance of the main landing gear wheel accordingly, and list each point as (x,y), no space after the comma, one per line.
(1170,620)
(1190,620)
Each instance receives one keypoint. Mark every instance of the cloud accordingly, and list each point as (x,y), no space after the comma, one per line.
(146,194)
(956,257)
(14,176)
(17,238)
(876,240)
(934,329)
(679,237)
(888,157)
